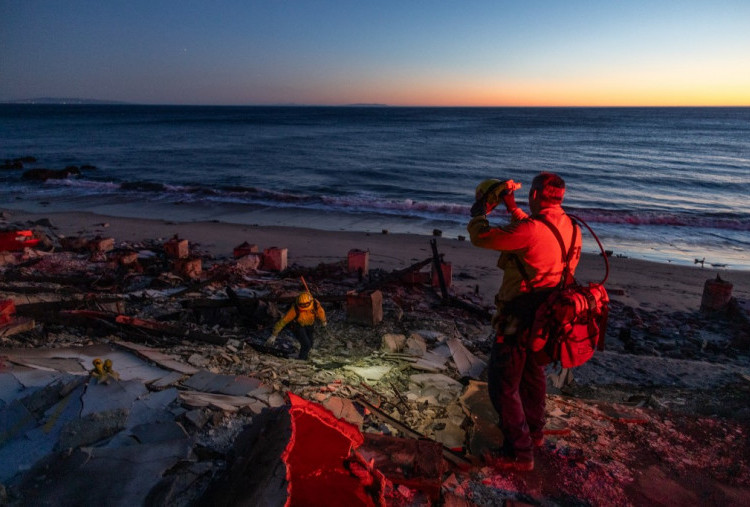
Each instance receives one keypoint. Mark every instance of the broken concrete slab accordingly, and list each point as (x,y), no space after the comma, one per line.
(452,435)
(235,385)
(415,345)
(168,380)
(164,360)
(62,364)
(467,364)
(372,373)
(129,473)
(343,408)
(104,398)
(430,362)
(433,389)
(198,417)
(153,407)
(92,428)
(31,427)
(78,361)
(227,403)
(158,432)
(484,433)
(10,387)
(392,342)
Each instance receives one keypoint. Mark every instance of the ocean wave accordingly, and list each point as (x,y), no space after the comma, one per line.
(370,203)
(660,218)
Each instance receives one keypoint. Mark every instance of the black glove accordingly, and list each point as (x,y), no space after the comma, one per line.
(481,207)
(509,199)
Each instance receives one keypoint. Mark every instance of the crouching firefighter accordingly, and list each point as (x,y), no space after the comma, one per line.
(301,317)
(532,265)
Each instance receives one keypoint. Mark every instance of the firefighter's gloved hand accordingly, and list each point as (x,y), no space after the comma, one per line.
(271,340)
(481,207)
(509,199)
(490,193)
(324,323)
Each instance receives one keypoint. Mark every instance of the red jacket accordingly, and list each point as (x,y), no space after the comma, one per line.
(535,246)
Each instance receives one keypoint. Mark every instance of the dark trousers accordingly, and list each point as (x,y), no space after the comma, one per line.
(517,388)
(304,335)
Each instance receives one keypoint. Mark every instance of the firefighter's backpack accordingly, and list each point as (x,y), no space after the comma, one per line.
(571,322)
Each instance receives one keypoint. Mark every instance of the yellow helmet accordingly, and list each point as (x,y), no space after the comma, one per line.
(304,300)
(491,189)
(486,186)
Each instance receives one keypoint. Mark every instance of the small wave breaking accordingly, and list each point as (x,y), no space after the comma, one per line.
(363,203)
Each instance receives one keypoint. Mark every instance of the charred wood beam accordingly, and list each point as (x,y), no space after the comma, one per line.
(194,304)
(470,307)
(74,281)
(151,327)
(397,275)
(39,310)
(448,454)
(436,262)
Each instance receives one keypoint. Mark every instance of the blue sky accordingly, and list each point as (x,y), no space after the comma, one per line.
(394,52)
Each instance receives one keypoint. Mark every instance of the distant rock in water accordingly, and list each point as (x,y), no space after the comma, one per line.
(16,163)
(50,174)
(142,185)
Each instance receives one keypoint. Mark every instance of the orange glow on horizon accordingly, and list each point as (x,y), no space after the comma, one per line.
(546,96)
(634,92)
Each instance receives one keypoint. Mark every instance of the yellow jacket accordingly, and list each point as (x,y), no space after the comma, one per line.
(303,316)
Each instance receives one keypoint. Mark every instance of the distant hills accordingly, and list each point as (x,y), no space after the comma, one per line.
(60,100)
(79,101)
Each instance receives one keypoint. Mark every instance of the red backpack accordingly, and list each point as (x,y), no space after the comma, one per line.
(570,324)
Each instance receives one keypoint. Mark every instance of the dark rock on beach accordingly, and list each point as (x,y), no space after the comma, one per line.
(17,163)
(42,174)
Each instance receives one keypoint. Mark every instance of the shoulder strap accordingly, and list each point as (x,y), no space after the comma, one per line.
(564,257)
(566,276)
(576,220)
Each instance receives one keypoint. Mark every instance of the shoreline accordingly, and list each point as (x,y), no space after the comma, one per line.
(676,245)
(634,282)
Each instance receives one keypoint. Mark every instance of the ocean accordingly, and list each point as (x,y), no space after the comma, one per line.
(661,184)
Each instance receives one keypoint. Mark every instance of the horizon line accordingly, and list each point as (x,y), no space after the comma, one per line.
(73,101)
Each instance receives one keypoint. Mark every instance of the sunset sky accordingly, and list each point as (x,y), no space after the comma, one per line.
(401,53)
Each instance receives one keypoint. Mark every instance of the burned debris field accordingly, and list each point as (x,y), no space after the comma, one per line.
(391,407)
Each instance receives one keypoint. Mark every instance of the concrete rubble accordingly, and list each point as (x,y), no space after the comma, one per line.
(198,399)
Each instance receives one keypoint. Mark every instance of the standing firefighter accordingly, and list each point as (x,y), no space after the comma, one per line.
(532,265)
(301,316)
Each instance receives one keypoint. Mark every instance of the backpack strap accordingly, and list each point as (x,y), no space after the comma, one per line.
(566,276)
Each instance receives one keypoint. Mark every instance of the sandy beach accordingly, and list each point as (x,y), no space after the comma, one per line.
(634,282)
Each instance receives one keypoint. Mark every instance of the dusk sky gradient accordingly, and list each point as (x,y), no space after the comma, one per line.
(401,53)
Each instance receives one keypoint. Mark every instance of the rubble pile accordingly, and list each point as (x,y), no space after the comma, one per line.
(191,389)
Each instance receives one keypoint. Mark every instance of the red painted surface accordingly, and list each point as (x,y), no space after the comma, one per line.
(17,240)
(323,467)
(7,310)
